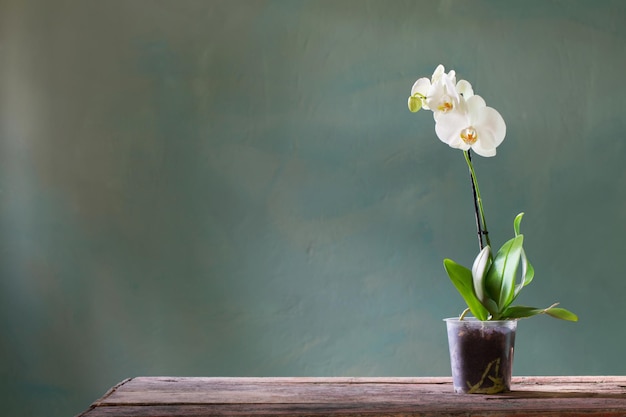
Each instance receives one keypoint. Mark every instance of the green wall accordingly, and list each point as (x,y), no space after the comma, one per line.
(236,188)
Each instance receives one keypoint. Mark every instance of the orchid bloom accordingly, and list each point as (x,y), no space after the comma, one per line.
(472,125)
(463,120)
(437,93)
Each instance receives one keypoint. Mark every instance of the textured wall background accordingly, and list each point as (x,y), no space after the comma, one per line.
(237,187)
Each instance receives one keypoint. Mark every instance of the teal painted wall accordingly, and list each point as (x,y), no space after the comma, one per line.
(237,187)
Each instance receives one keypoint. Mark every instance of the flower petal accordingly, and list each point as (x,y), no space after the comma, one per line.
(448,127)
(465,89)
(436,96)
(421,86)
(484,146)
(493,121)
(474,106)
(449,81)
(438,73)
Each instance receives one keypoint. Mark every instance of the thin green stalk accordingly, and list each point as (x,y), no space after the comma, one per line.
(481,223)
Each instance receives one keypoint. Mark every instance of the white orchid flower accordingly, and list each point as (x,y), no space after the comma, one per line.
(472,125)
(440,93)
(436,93)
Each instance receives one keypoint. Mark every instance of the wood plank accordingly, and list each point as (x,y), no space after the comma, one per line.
(383,411)
(425,397)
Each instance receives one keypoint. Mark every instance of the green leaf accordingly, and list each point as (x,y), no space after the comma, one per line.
(528,273)
(520,312)
(561,313)
(500,280)
(480,268)
(479,271)
(461,277)
(516,223)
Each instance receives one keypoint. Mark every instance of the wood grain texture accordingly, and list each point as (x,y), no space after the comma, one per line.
(424,397)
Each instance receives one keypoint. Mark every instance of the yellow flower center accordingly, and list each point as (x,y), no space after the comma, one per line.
(445,106)
(469,135)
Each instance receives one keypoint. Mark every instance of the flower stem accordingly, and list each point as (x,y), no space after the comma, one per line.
(481,224)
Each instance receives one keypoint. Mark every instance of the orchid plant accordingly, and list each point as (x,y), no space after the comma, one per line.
(464,121)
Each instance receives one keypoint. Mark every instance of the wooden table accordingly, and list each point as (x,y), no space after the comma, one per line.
(531,396)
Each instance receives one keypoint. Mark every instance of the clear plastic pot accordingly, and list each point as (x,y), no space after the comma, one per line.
(481,354)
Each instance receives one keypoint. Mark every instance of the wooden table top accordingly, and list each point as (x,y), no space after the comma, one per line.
(571,396)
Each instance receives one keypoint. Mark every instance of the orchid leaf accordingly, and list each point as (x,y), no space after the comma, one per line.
(479,271)
(461,277)
(561,313)
(481,266)
(516,223)
(519,312)
(528,272)
(500,280)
